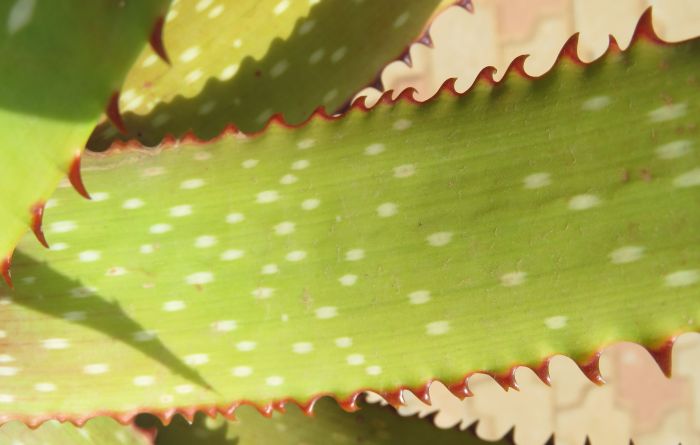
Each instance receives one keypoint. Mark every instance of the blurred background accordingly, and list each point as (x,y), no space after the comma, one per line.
(638,401)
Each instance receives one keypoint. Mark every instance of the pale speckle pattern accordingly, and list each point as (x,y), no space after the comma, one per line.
(343,342)
(404,171)
(303,347)
(204,241)
(274,380)
(55,343)
(537,180)
(133,203)
(95,368)
(196,359)
(144,380)
(263,293)
(674,150)
(556,322)
(267,197)
(310,204)
(180,211)
(174,306)
(190,54)
(355,359)
(584,202)
(419,297)
(20,15)
(437,327)
(199,278)
(45,387)
(439,239)
(305,144)
(279,68)
(668,112)
(285,228)
(373,370)
(374,149)
(511,279)
(682,278)
(191,184)
(246,345)
(160,228)
(242,371)
(348,280)
(688,179)
(63,226)
(269,269)
(402,124)
(626,254)
(338,54)
(89,256)
(295,255)
(387,209)
(402,19)
(596,103)
(233,218)
(225,325)
(280,7)
(354,254)
(232,254)
(250,163)
(184,389)
(326,312)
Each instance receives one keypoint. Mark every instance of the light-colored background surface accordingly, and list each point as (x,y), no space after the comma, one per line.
(638,402)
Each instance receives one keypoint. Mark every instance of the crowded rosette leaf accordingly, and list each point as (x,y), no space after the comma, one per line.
(62,61)
(383,249)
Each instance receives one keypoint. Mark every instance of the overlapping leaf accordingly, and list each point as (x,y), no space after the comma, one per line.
(371,425)
(240,63)
(61,61)
(386,248)
(97,431)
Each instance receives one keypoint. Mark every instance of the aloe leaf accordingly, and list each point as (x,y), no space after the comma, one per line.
(384,249)
(62,61)
(373,424)
(242,62)
(97,431)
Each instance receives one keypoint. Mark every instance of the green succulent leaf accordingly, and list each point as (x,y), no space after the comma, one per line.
(61,62)
(372,425)
(242,62)
(97,431)
(386,248)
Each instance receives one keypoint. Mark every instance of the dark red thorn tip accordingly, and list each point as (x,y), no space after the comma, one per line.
(591,369)
(113,113)
(507,379)
(156,40)
(76,179)
(406,58)
(663,356)
(460,389)
(542,371)
(393,398)
(570,49)
(5,270)
(37,212)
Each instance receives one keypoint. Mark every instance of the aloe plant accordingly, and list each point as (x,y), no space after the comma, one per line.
(322,253)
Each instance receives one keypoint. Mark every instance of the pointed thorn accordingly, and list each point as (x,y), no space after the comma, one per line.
(75,179)
(466,4)
(393,398)
(591,369)
(460,389)
(663,357)
(156,40)
(113,113)
(645,28)
(406,58)
(5,270)
(507,380)
(37,212)
(427,40)
(570,49)
(542,371)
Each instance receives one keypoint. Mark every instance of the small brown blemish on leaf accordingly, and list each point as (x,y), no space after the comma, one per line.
(625,175)
(646,175)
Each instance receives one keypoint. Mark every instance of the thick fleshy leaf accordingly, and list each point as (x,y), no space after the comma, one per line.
(97,431)
(242,62)
(373,424)
(61,62)
(386,248)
